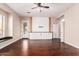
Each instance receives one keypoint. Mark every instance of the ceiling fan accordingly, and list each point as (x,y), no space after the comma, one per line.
(40,5)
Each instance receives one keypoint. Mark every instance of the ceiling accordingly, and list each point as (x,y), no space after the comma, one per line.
(54,10)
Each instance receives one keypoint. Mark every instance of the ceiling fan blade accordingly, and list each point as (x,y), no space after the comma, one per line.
(34,3)
(34,7)
(45,6)
(38,4)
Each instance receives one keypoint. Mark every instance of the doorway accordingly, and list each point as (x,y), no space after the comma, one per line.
(62,29)
(24,29)
(59,28)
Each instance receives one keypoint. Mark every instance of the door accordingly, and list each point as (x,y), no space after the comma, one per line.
(24,31)
(62,27)
(56,30)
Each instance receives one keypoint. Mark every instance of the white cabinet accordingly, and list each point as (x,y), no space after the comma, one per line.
(40,35)
(46,35)
(35,36)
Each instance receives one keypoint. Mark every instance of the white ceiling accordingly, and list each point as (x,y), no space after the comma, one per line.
(54,10)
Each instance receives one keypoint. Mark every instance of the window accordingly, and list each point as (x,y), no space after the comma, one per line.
(1,25)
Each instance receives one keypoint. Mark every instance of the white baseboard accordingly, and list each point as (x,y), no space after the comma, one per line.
(8,42)
(72,45)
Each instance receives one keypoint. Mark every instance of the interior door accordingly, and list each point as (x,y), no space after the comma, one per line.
(62,27)
(24,32)
(56,30)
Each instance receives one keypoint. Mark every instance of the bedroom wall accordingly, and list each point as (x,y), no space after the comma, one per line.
(71,17)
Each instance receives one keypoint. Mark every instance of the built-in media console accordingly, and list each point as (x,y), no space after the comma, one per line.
(41,35)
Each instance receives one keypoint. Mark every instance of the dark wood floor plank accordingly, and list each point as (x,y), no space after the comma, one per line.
(41,47)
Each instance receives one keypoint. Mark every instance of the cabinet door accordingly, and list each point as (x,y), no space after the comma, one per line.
(35,36)
(49,36)
(46,35)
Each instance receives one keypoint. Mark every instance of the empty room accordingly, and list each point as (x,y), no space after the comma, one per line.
(39,29)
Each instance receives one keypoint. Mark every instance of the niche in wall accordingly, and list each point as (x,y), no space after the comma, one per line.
(40,24)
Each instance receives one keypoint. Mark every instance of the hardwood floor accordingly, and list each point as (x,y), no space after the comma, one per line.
(26,47)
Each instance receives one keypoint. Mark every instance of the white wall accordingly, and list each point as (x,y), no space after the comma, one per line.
(71,17)
(40,21)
